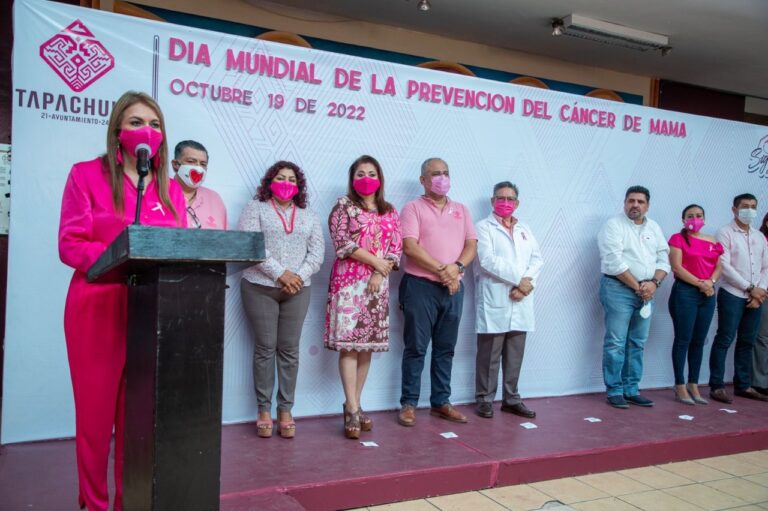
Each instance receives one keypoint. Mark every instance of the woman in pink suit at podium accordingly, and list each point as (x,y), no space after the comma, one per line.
(99,201)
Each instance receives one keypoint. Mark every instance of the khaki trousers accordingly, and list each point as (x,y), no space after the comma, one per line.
(277,320)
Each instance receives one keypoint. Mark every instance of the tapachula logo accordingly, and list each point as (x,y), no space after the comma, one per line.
(759,158)
(76,56)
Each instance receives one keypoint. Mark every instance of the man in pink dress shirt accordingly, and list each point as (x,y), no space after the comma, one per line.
(739,300)
(205,209)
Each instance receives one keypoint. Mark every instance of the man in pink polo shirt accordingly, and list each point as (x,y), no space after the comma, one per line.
(205,209)
(439,241)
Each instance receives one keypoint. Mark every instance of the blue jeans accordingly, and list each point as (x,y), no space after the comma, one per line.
(734,320)
(430,313)
(625,336)
(691,313)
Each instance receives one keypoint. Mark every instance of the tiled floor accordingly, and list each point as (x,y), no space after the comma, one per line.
(737,482)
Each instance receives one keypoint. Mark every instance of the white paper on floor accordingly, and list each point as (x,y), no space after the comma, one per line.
(369,444)
(592,419)
(686,417)
(529,425)
(728,410)
(449,434)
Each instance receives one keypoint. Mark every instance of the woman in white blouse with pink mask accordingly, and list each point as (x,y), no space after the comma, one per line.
(275,293)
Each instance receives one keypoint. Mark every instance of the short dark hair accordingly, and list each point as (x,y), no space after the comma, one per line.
(743,196)
(505,184)
(638,189)
(192,144)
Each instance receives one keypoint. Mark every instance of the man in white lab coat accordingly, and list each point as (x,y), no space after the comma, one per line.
(508,264)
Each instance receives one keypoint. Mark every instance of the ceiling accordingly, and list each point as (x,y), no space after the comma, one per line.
(719,44)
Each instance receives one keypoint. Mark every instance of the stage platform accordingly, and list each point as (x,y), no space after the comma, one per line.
(321,470)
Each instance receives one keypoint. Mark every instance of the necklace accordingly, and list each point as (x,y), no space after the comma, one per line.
(286,228)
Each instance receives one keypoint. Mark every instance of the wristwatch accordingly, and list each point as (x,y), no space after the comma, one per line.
(460,265)
(657,282)
(750,288)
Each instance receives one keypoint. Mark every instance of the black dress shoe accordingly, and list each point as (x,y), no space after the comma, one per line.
(618,402)
(519,409)
(639,400)
(484,409)
(762,390)
(750,393)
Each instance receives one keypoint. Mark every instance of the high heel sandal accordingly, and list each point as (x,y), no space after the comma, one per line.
(684,400)
(287,427)
(264,427)
(366,423)
(351,424)
(696,398)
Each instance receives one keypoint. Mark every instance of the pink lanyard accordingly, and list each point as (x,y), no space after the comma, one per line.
(288,230)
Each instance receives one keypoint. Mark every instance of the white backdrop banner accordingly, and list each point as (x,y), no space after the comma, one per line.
(252,103)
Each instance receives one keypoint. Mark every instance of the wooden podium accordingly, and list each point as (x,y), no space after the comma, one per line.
(176,282)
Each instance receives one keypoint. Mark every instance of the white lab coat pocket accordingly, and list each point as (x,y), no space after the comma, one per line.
(496,294)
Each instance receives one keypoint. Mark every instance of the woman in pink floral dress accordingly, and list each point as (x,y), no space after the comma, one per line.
(365,230)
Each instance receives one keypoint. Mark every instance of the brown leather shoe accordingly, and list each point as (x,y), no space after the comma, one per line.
(519,409)
(407,416)
(750,393)
(449,413)
(720,395)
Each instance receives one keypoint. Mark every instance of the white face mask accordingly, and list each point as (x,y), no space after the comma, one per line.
(191,175)
(746,215)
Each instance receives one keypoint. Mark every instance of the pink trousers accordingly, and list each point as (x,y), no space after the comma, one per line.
(95,322)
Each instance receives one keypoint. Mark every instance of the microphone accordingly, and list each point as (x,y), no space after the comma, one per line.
(143,166)
(142,153)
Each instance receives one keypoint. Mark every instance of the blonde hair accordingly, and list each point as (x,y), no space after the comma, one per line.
(115,169)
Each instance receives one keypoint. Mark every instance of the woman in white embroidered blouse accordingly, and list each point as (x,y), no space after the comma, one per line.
(275,293)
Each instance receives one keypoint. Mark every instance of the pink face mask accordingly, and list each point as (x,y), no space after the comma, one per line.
(366,185)
(504,208)
(441,184)
(284,190)
(694,224)
(130,140)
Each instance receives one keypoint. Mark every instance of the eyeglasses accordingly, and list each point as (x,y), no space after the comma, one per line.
(505,199)
(191,212)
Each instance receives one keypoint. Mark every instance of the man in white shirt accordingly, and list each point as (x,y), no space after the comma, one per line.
(509,262)
(739,300)
(634,259)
